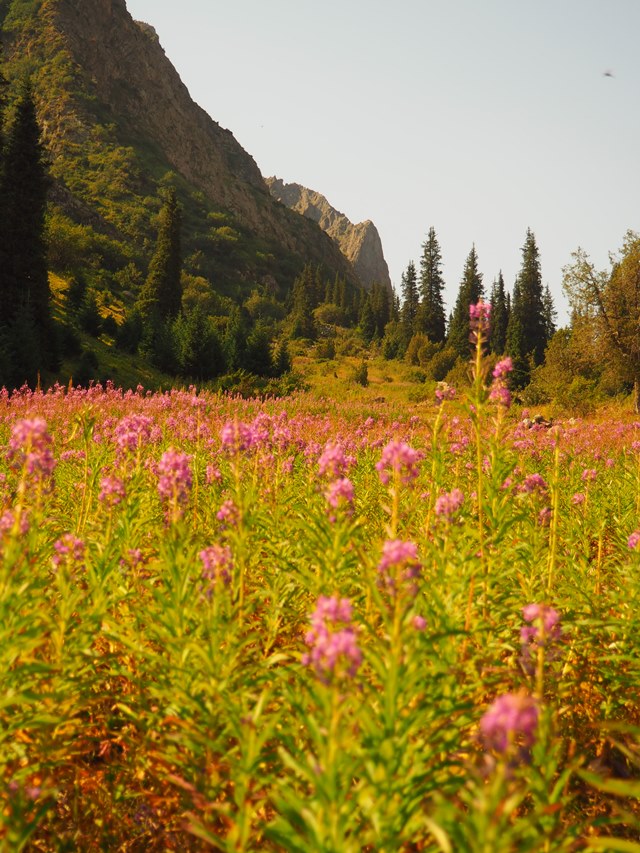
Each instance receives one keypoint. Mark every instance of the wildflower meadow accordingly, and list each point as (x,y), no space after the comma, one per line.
(290,624)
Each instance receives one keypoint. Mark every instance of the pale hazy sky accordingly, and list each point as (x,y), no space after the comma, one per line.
(479,117)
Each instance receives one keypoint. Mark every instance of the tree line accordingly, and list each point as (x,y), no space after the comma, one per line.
(522,321)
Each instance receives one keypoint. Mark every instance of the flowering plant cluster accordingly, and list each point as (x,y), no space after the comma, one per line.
(332,639)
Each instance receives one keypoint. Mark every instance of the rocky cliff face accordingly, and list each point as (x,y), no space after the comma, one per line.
(116,71)
(359,243)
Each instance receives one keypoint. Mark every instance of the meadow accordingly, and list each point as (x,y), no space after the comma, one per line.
(304,625)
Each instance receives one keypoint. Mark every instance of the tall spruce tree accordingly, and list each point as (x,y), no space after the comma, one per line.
(161,295)
(410,299)
(471,290)
(3,239)
(381,305)
(24,280)
(499,316)
(515,344)
(549,313)
(431,314)
(528,303)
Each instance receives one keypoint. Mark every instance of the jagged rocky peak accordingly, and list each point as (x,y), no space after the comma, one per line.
(359,243)
(150,31)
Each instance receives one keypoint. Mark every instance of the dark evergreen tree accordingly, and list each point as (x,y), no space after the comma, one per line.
(549,313)
(410,299)
(367,320)
(24,285)
(235,340)
(499,317)
(3,213)
(161,294)
(198,347)
(302,324)
(281,358)
(470,292)
(528,304)
(431,314)
(515,342)
(258,359)
(381,307)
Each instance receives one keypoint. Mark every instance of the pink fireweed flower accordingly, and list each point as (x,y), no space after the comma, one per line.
(237,437)
(511,722)
(228,514)
(174,477)
(479,319)
(634,540)
(503,368)
(401,459)
(8,522)
(447,505)
(500,394)
(589,475)
(30,447)
(543,632)
(69,550)
(399,567)
(340,493)
(217,565)
(213,474)
(533,483)
(419,622)
(544,516)
(133,431)
(578,499)
(332,639)
(112,491)
(333,460)
(444,392)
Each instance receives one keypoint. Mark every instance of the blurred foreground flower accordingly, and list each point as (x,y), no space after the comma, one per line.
(174,480)
(399,567)
(447,505)
(217,564)
(543,632)
(400,459)
(510,724)
(30,447)
(332,640)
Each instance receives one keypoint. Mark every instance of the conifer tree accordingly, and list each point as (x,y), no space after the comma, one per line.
(471,290)
(528,304)
(499,316)
(161,294)
(381,306)
(301,316)
(410,299)
(235,340)
(515,343)
(25,283)
(367,320)
(549,313)
(3,236)
(431,313)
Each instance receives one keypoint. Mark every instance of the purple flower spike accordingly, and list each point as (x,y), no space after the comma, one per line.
(332,639)
(399,457)
(544,632)
(510,722)
(448,504)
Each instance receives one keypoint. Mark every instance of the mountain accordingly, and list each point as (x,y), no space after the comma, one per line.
(119,125)
(359,243)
